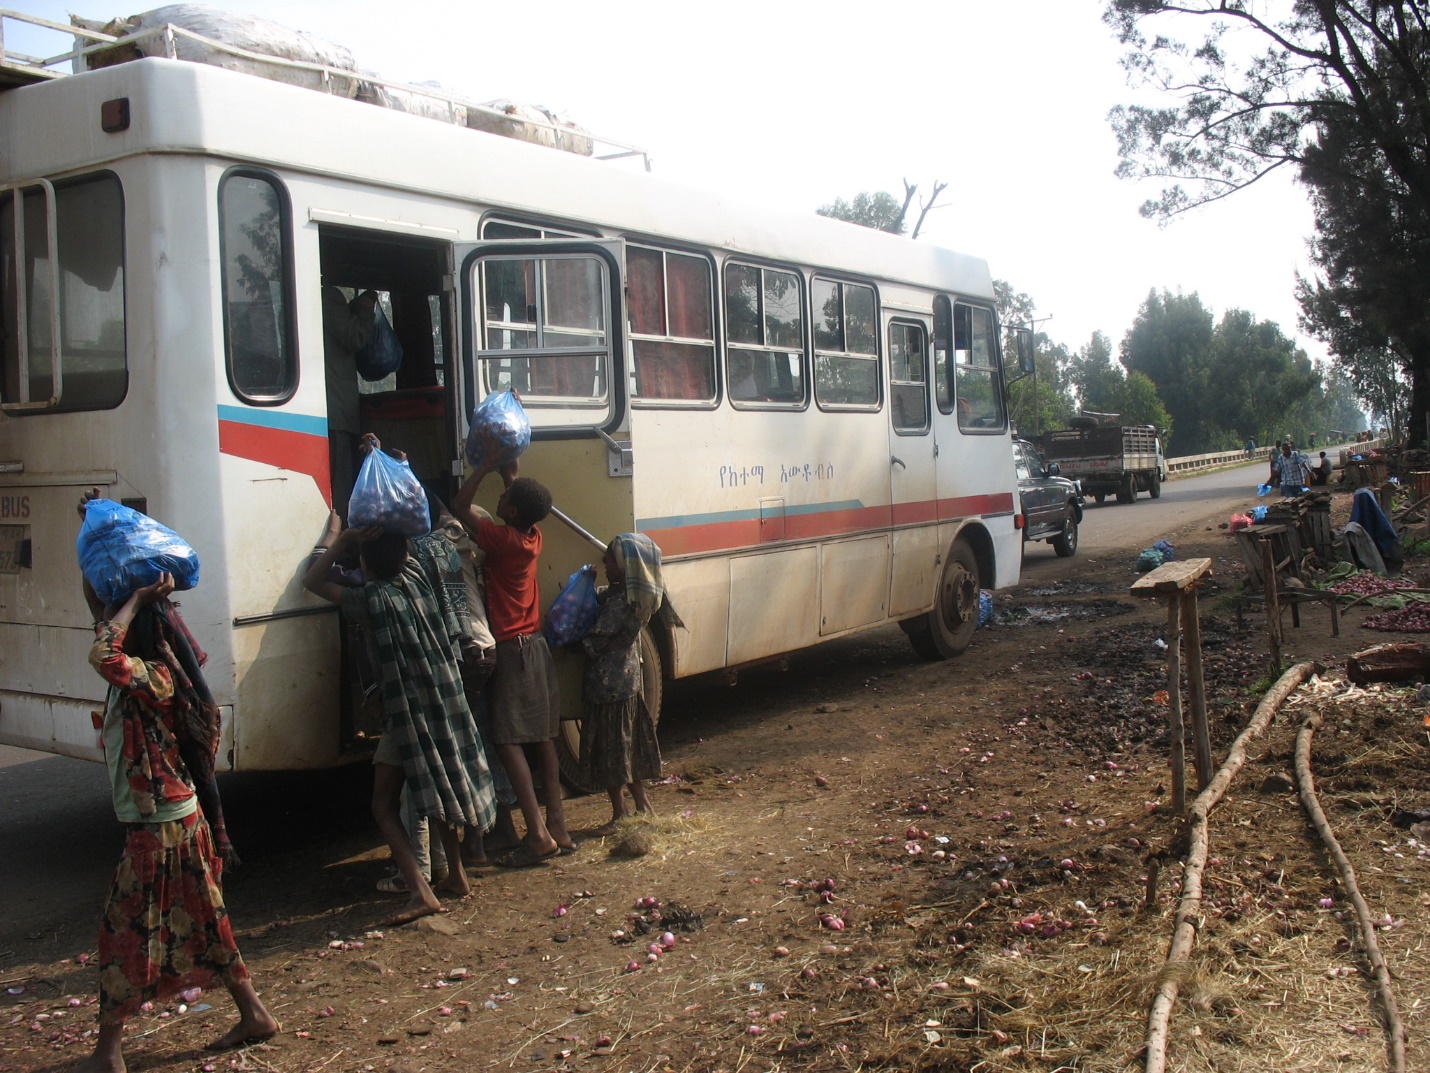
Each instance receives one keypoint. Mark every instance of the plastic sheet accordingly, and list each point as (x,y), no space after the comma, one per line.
(387,493)
(574,610)
(499,431)
(121,550)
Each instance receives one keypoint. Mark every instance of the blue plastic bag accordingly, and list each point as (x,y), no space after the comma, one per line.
(381,355)
(1263,489)
(499,431)
(121,550)
(1258,513)
(1169,553)
(985,608)
(388,493)
(574,610)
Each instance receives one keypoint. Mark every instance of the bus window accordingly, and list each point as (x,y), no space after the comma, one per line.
(672,326)
(942,348)
(256,254)
(978,384)
(846,354)
(764,327)
(908,378)
(89,224)
(544,328)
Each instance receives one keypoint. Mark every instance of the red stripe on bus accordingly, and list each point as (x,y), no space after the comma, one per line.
(964,506)
(294,451)
(752,532)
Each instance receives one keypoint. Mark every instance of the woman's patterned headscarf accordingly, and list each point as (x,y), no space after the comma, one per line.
(640,560)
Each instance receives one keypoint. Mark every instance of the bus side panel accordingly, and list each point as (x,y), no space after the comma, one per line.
(774,603)
(288,682)
(700,591)
(853,584)
(917,557)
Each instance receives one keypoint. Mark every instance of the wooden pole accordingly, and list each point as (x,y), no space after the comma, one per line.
(1273,603)
(1197,687)
(1176,728)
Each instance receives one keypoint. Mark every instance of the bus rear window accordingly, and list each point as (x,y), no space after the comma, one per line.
(89,234)
(672,326)
(257,288)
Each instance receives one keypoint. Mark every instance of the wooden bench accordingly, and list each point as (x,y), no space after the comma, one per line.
(1176,582)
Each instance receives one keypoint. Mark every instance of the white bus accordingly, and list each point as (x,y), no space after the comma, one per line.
(808,417)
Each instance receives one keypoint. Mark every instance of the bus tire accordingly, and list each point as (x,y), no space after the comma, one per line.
(1127,492)
(947,630)
(568,742)
(1154,487)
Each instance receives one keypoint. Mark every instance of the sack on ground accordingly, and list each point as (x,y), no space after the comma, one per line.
(1150,559)
(388,493)
(574,610)
(499,432)
(381,355)
(121,550)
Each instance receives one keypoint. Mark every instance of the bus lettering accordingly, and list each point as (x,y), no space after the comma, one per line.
(14,506)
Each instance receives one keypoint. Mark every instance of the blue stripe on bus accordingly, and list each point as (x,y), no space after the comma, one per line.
(288,422)
(680,521)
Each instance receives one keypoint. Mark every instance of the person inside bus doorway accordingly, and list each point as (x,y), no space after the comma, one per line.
(347,326)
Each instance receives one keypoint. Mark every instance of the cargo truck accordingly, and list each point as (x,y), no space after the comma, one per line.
(1110,459)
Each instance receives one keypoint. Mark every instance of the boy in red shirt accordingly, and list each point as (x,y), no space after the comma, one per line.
(525,714)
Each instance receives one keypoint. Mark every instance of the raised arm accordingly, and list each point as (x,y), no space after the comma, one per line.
(315,580)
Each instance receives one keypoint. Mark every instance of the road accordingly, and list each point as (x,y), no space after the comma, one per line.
(59,840)
(1117,528)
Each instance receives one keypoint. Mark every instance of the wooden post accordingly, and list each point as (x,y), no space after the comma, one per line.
(1175,725)
(1273,604)
(1197,687)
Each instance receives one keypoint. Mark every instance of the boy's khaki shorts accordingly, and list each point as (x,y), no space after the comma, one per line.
(525,702)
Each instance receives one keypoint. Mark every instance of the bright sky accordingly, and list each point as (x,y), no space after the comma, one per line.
(796,103)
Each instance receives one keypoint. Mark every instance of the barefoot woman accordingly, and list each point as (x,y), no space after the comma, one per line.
(165,928)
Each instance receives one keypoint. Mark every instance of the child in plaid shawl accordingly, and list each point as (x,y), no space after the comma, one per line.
(410,610)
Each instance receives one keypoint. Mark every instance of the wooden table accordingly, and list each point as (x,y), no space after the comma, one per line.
(1176,582)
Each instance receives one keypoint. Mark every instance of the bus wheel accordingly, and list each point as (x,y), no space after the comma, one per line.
(947,630)
(1154,487)
(568,742)
(1127,493)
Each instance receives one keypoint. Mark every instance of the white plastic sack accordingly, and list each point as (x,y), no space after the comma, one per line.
(520,121)
(231,28)
(401,100)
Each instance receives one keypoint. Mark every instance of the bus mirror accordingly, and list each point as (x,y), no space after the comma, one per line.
(1026,363)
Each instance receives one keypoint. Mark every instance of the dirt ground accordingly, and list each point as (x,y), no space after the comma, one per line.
(873,863)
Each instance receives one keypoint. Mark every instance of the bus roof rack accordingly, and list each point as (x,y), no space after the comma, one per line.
(523,122)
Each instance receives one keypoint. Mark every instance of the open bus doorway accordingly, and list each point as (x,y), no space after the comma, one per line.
(411,409)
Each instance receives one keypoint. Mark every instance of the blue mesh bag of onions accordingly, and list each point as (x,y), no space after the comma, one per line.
(574,610)
(121,550)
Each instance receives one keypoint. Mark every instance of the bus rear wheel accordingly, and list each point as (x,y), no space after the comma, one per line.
(1127,492)
(568,742)
(947,630)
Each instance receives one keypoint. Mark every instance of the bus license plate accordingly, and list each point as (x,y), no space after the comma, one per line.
(12,537)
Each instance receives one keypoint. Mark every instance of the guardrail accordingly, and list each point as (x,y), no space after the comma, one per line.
(1192,463)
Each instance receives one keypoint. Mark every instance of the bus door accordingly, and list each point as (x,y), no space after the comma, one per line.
(912,458)
(545,318)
